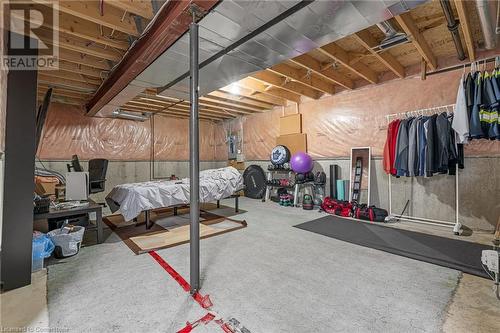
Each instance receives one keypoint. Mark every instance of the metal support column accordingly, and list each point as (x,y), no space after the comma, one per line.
(194,162)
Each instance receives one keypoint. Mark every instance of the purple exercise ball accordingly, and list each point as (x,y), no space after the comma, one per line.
(301,162)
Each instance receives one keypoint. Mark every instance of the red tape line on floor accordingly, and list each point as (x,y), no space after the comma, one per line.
(203,301)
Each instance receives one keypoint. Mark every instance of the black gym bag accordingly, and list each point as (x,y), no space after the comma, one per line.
(370,213)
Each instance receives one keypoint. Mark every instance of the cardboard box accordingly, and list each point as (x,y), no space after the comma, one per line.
(236,165)
(294,142)
(291,124)
(45,185)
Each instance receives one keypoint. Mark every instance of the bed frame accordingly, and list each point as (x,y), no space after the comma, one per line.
(147,213)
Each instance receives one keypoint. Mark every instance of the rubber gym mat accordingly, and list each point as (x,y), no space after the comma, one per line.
(452,253)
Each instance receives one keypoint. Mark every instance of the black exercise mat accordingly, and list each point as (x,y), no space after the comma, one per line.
(452,253)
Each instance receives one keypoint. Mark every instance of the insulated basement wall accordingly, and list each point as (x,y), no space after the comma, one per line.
(68,131)
(357,118)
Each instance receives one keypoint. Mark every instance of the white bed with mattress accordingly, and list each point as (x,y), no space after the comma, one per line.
(134,198)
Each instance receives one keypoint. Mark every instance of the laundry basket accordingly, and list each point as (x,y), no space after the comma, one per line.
(42,248)
(67,240)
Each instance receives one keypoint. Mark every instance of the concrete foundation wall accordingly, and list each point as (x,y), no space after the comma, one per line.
(433,198)
(121,172)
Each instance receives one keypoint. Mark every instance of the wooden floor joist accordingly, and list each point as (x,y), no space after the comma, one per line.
(300,76)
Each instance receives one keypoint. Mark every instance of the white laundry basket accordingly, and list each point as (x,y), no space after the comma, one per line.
(67,244)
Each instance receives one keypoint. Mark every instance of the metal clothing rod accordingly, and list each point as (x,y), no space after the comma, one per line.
(456,224)
(194,162)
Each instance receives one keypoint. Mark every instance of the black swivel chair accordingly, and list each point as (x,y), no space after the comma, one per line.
(97,175)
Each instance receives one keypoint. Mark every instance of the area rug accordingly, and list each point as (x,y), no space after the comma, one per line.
(452,253)
(171,230)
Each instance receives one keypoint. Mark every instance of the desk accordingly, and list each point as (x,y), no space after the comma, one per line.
(92,207)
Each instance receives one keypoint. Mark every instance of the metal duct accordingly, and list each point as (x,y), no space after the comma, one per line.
(488,18)
(392,37)
(240,37)
(130,116)
(453,25)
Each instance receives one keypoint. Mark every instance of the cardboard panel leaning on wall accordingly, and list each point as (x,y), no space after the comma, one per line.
(68,131)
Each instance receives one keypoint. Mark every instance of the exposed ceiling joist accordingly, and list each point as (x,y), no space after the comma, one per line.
(256,96)
(338,54)
(243,100)
(81,69)
(142,8)
(205,103)
(365,38)
(463,17)
(113,18)
(83,59)
(328,73)
(66,75)
(53,81)
(417,39)
(302,76)
(272,78)
(256,85)
(232,104)
(78,27)
(78,45)
(170,113)
(65,93)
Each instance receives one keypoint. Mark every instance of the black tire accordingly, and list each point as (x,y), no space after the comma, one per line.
(255,182)
(280,155)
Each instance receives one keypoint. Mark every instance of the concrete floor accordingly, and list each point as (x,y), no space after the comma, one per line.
(272,278)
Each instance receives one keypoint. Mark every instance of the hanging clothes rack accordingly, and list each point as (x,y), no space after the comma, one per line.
(456,225)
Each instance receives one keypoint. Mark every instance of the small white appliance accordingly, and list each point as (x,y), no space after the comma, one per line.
(77,186)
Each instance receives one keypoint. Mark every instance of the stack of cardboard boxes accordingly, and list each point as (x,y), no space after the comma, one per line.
(291,135)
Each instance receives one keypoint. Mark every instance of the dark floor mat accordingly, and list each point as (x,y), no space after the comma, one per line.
(457,254)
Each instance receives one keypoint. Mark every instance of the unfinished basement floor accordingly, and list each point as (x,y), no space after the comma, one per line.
(269,276)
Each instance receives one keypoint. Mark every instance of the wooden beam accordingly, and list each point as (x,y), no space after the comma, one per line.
(245,101)
(328,73)
(80,28)
(253,84)
(63,100)
(291,86)
(79,45)
(83,59)
(81,69)
(113,18)
(242,107)
(206,104)
(365,38)
(466,28)
(64,83)
(72,76)
(65,93)
(142,8)
(300,76)
(417,39)
(338,54)
(256,96)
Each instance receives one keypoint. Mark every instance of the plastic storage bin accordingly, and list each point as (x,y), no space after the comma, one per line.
(42,248)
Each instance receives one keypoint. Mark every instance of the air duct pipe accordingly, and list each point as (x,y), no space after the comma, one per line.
(453,25)
(488,18)
(392,37)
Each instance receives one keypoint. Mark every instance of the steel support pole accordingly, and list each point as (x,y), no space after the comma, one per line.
(194,162)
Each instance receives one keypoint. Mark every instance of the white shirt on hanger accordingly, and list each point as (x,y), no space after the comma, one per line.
(460,122)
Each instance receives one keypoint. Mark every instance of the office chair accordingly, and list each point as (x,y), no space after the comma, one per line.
(75,164)
(97,175)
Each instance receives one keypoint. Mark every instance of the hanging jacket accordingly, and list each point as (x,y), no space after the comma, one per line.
(390,146)
(469,87)
(401,152)
(443,143)
(422,145)
(475,129)
(412,149)
(431,150)
(452,147)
